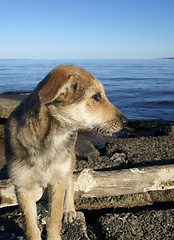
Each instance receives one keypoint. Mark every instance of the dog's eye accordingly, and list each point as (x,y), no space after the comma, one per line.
(97,97)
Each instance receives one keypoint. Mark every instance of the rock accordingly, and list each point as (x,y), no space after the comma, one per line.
(125,201)
(7,105)
(101,162)
(164,196)
(172,131)
(11,225)
(120,226)
(7,236)
(123,224)
(149,224)
(169,130)
(144,150)
(84,149)
(145,124)
(76,230)
(149,128)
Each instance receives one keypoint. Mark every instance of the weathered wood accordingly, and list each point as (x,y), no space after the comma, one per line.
(90,184)
(7,194)
(127,181)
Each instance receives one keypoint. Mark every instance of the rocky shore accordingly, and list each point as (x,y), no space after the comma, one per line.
(144,215)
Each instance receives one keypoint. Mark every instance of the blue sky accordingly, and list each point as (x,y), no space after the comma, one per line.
(81,29)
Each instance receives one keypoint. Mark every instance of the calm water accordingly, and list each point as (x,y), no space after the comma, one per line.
(141,89)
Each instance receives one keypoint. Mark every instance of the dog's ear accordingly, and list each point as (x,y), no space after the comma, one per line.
(59,87)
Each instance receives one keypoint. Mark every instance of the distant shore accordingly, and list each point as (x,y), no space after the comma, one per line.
(172,58)
(14,95)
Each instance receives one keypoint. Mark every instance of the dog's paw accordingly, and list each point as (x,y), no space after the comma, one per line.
(69,217)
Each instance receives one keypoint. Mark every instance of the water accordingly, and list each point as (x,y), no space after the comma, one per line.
(141,89)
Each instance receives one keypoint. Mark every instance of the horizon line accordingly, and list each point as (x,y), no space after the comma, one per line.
(86,58)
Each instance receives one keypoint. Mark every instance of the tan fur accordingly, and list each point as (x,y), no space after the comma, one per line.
(40,139)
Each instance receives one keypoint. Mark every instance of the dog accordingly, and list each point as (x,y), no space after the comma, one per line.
(40,137)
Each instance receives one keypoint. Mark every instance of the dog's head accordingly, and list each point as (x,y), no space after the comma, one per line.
(77,97)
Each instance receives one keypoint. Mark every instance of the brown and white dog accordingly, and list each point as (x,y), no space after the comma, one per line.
(40,138)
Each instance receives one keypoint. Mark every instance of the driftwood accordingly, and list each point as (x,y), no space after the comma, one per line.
(97,184)
(128,181)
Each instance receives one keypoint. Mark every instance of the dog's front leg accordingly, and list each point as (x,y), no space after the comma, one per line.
(56,193)
(69,210)
(27,203)
(69,213)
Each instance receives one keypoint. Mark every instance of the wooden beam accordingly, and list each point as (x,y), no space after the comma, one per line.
(127,181)
(90,184)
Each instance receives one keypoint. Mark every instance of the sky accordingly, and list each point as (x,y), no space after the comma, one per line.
(86,29)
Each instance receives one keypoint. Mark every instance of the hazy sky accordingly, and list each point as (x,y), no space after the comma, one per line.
(57,29)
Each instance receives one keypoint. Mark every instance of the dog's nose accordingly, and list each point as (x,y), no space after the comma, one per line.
(124,121)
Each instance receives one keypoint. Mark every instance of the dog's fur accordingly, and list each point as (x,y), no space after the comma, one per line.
(40,139)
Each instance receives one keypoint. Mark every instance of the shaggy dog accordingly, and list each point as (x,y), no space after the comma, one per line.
(40,138)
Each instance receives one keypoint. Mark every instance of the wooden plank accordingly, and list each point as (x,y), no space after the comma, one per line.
(128,181)
(90,184)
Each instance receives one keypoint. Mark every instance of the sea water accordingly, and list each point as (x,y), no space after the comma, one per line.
(141,89)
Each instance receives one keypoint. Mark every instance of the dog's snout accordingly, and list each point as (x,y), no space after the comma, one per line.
(124,121)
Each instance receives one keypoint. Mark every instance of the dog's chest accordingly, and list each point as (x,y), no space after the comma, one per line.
(55,161)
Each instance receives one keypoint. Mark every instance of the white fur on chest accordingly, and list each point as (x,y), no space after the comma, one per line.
(55,162)
(56,170)
(48,166)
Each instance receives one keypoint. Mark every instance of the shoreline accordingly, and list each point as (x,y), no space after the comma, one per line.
(14,95)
